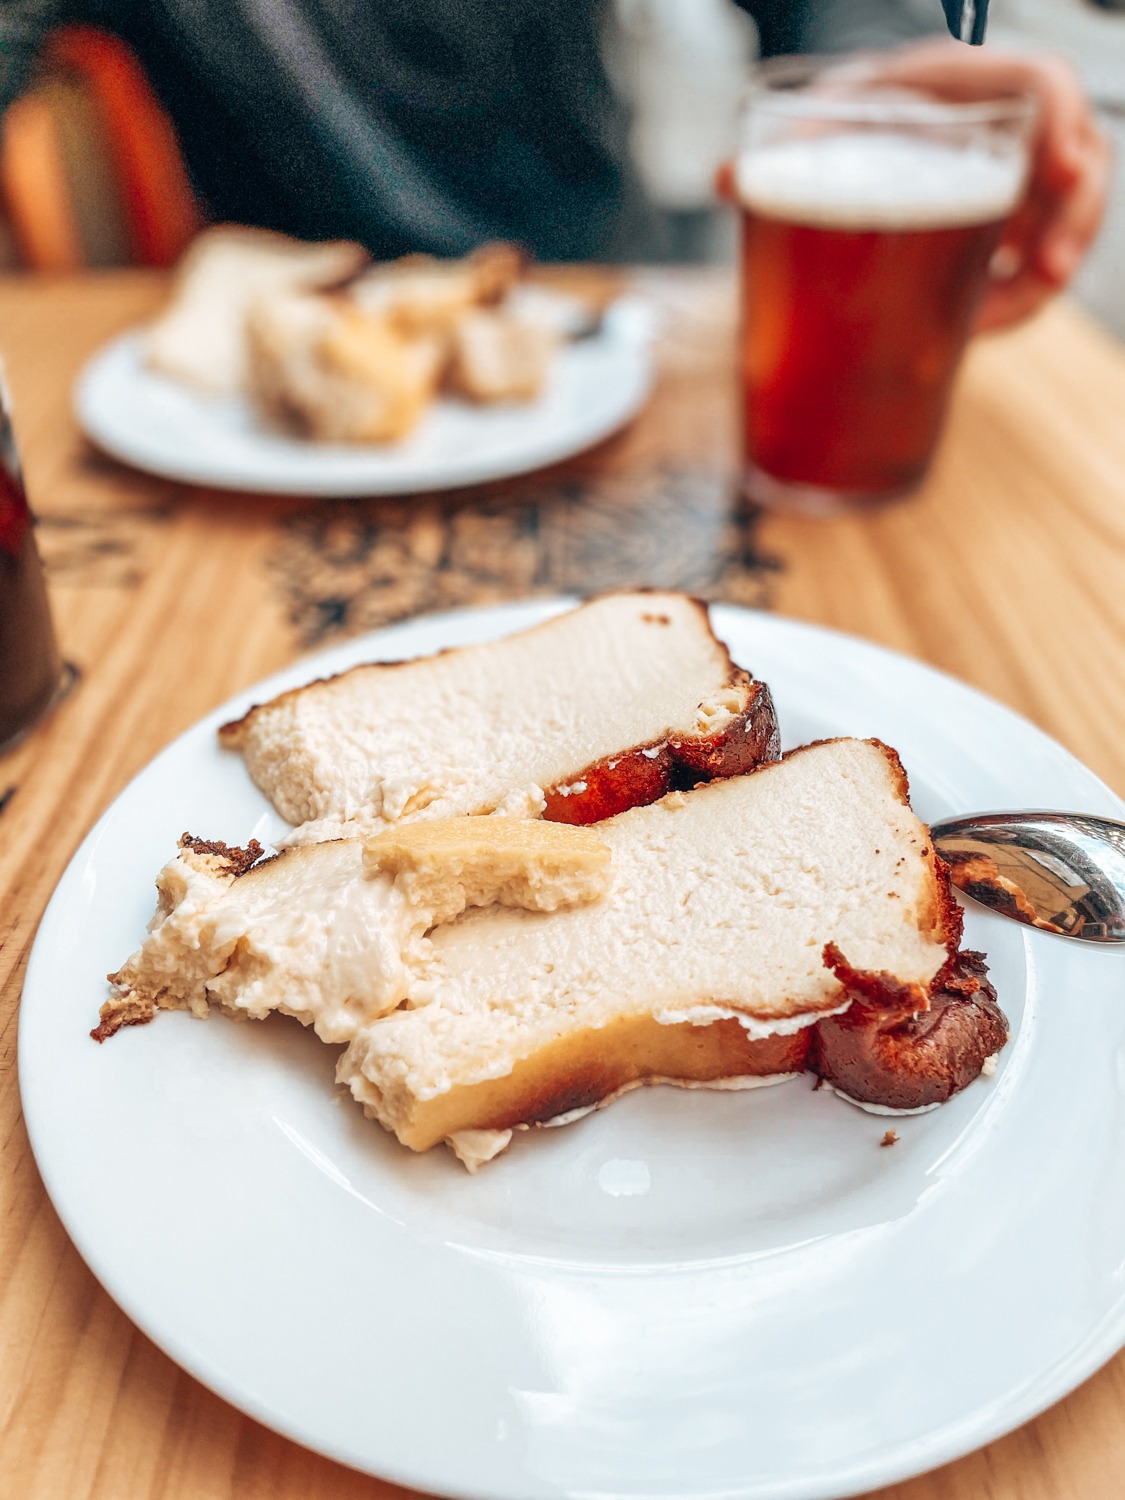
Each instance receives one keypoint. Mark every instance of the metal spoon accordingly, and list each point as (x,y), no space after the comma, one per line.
(1063,872)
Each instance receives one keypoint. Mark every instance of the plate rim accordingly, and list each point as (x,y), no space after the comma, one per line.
(907,1461)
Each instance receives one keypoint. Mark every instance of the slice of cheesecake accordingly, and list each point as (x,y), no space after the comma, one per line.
(494,973)
(607,707)
(200,337)
(704,961)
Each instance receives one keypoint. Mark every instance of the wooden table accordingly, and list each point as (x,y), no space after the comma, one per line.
(1009,571)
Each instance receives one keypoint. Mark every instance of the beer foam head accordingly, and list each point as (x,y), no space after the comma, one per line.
(877,180)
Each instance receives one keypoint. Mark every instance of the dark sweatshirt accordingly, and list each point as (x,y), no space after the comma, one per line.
(410,124)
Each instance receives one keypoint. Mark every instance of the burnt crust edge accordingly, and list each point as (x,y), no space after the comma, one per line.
(904,1046)
(236,860)
(128,1010)
(643,774)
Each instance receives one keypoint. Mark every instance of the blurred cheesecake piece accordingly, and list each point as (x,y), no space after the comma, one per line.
(500,357)
(200,338)
(321,367)
(423,295)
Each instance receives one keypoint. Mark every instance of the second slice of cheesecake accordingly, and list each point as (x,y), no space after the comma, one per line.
(607,707)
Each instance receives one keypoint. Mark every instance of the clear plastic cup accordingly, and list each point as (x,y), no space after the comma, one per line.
(870,216)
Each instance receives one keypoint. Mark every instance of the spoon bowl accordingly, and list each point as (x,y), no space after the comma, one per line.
(1061,872)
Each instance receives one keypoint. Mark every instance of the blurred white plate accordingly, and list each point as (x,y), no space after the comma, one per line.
(596,384)
(686,1295)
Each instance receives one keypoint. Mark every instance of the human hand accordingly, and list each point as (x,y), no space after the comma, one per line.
(1062,207)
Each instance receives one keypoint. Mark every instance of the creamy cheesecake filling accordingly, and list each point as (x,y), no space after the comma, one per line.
(304,933)
(334,934)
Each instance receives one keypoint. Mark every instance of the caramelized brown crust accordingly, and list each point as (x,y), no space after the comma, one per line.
(611,786)
(645,773)
(751,739)
(896,1047)
(584,1069)
(236,860)
(948,919)
(115,1014)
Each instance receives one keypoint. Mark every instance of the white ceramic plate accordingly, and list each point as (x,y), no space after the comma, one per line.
(686,1295)
(595,385)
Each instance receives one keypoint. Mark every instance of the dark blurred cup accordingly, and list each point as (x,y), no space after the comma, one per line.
(870,215)
(30,667)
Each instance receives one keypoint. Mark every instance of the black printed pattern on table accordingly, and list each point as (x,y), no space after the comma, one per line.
(344,567)
(100,548)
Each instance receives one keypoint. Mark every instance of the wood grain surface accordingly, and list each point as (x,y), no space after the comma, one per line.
(1008,571)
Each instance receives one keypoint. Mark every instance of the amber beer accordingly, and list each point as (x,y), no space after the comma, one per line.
(865,255)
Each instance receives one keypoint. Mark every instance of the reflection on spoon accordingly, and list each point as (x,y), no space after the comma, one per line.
(1062,872)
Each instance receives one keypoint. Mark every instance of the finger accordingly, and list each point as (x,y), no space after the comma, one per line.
(1051,230)
(1073,229)
(1047,244)
(958,74)
(1009,302)
(1064,199)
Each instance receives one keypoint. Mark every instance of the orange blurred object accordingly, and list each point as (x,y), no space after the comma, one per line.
(90,170)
